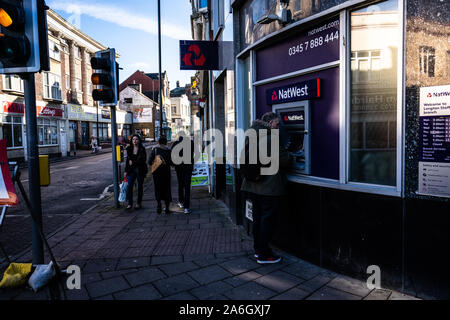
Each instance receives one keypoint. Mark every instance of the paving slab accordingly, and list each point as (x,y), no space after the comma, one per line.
(211,290)
(175,284)
(250,291)
(279,281)
(350,285)
(146,292)
(144,276)
(240,265)
(105,287)
(209,274)
(328,293)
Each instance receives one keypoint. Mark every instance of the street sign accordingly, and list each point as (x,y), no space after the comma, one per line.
(199,55)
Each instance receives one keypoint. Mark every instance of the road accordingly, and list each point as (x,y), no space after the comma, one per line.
(76,185)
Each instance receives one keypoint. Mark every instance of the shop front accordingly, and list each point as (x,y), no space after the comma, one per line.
(50,128)
(345,84)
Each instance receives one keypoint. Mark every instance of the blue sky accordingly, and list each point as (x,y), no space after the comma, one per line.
(131,27)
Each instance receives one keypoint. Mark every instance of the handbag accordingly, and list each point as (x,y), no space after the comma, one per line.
(123,190)
(159,161)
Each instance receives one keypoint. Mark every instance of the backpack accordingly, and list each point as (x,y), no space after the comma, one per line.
(251,172)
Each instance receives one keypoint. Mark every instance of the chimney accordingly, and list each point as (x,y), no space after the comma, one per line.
(178,84)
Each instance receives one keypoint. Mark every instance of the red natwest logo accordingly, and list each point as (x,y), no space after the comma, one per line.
(200,58)
(274,96)
(429,95)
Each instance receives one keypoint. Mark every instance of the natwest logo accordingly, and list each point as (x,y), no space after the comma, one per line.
(294,92)
(274,96)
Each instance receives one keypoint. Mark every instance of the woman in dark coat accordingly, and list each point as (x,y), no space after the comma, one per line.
(161,176)
(135,169)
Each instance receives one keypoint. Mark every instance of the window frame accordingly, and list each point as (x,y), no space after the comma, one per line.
(47,77)
(11,87)
(41,124)
(12,123)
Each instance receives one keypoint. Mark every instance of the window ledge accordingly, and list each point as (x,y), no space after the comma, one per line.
(351,186)
(13,91)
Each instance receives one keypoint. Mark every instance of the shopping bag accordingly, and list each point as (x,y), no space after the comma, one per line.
(41,276)
(123,190)
(159,161)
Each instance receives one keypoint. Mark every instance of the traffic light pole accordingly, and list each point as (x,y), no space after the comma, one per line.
(114,144)
(34,183)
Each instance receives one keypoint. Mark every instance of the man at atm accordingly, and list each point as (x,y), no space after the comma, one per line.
(265,194)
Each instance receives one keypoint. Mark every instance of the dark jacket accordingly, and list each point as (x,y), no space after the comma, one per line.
(161,177)
(184,166)
(273,185)
(165,153)
(139,161)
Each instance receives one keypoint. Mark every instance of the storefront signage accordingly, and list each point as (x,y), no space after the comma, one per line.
(200,174)
(434,152)
(49,112)
(295,92)
(41,111)
(199,55)
(13,107)
(83,113)
(311,47)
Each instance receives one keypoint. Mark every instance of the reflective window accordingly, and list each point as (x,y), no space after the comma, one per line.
(373,63)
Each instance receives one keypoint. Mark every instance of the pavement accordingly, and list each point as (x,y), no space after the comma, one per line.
(140,255)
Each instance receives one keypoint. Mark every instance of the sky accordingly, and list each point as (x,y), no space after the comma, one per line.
(131,27)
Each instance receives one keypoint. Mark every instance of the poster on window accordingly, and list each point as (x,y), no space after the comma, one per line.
(8,196)
(200,174)
(434,148)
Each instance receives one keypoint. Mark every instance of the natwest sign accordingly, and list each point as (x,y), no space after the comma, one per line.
(199,55)
(295,92)
(41,111)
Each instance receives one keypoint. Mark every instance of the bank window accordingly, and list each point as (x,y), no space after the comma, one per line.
(52,86)
(427,60)
(365,65)
(47,132)
(373,130)
(13,83)
(174,110)
(12,131)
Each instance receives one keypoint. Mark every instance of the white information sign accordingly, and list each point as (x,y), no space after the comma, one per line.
(434,149)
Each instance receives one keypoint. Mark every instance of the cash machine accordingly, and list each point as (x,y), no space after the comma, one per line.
(295,134)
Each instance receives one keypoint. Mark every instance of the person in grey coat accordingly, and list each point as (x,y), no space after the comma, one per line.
(266,194)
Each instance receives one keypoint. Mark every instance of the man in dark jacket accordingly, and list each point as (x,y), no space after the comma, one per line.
(265,194)
(184,173)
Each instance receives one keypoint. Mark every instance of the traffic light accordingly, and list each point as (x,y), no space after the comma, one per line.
(105,77)
(23,36)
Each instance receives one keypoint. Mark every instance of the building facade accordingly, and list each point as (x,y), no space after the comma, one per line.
(142,108)
(181,111)
(67,114)
(362,88)
(149,83)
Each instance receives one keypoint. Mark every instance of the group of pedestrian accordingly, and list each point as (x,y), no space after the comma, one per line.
(160,163)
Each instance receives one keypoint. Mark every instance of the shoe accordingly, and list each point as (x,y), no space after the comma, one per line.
(180,205)
(137,207)
(129,207)
(187,211)
(256,255)
(268,259)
